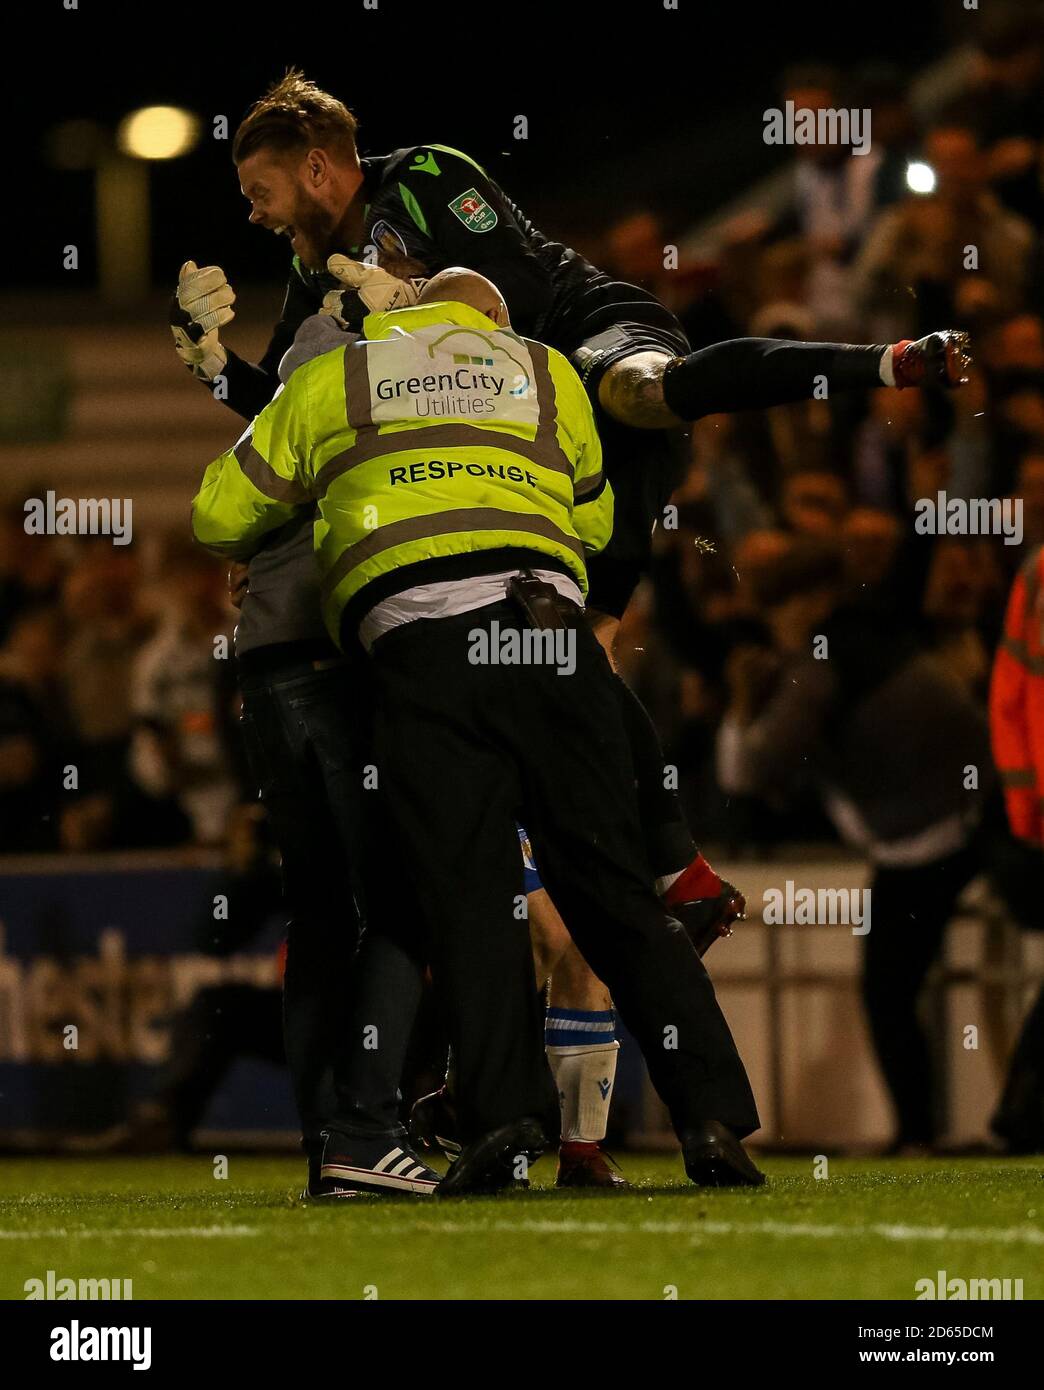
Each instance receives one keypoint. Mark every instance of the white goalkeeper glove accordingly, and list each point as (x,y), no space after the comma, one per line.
(367,289)
(202,305)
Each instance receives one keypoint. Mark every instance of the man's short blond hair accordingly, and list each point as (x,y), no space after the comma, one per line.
(296,115)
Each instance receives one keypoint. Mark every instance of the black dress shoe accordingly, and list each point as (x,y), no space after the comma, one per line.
(714,1157)
(489,1164)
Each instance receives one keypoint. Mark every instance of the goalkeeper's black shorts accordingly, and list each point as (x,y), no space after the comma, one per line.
(594,326)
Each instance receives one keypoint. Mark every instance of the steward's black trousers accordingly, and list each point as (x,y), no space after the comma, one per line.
(463,751)
(304,741)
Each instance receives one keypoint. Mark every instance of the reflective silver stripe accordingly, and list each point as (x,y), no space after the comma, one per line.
(264,477)
(1018,778)
(416,528)
(547,433)
(357,399)
(587,485)
(1017,649)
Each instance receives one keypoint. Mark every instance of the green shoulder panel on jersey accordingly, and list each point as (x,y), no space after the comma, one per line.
(413,208)
(425,162)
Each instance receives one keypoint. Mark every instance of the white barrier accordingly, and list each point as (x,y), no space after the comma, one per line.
(792,996)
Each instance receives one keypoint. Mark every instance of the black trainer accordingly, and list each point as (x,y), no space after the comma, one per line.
(376,1166)
(320,1188)
(490,1163)
(714,1157)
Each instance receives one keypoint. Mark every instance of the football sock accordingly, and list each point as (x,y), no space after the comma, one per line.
(755,373)
(698,880)
(582,1050)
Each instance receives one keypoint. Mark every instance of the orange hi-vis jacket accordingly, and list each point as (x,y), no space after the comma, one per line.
(1017,703)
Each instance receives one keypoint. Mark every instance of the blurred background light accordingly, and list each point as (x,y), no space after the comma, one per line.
(920,177)
(158,132)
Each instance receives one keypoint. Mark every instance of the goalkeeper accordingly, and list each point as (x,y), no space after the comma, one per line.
(407,215)
(422,208)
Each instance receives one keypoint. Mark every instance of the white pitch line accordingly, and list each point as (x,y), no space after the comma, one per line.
(1011,1235)
(969,1235)
(134,1232)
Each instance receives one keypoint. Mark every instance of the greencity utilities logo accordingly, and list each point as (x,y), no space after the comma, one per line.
(521,386)
(474,211)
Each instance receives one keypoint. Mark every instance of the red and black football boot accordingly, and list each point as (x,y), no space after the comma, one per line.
(940,359)
(707,919)
(587,1165)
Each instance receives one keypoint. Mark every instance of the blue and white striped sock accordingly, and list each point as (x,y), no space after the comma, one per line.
(581,1050)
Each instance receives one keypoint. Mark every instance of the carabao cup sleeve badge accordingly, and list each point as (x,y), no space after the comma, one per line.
(474,211)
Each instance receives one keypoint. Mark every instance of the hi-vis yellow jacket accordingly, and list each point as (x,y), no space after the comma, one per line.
(437,440)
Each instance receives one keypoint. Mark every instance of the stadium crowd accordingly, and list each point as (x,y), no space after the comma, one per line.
(853,254)
(783,519)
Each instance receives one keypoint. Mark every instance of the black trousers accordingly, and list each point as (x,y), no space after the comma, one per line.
(302,732)
(911,908)
(1020,1115)
(465,749)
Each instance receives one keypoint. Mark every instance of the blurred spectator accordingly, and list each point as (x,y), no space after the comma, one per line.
(1029,485)
(835,194)
(101,602)
(35,739)
(921,244)
(887,737)
(871,541)
(1017,728)
(1009,103)
(636,250)
(178,748)
(30,567)
(813,502)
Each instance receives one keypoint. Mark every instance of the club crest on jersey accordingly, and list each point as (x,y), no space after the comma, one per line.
(474,211)
(387,239)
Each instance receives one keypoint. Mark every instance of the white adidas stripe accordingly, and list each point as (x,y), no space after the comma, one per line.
(372,1178)
(389,1158)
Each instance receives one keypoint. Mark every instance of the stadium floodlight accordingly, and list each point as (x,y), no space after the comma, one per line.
(157,132)
(920,177)
(143,137)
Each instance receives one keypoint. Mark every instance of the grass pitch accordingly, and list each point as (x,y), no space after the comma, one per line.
(868,1230)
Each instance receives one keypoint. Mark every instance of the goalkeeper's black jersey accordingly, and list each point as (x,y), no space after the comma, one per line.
(428,207)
